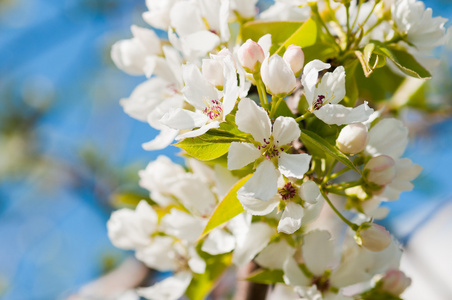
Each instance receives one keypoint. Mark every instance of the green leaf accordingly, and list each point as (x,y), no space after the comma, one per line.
(202,284)
(280,30)
(304,36)
(228,208)
(283,110)
(267,276)
(351,87)
(403,60)
(202,149)
(312,139)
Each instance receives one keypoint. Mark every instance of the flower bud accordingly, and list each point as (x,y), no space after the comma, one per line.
(380,170)
(213,71)
(373,237)
(395,282)
(352,139)
(251,56)
(295,57)
(277,76)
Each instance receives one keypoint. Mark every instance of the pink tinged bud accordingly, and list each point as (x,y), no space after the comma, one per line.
(374,238)
(352,139)
(395,282)
(251,56)
(213,72)
(380,170)
(295,57)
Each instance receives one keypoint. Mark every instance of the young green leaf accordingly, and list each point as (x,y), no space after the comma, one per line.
(313,140)
(203,149)
(403,60)
(305,36)
(228,208)
(280,30)
(267,276)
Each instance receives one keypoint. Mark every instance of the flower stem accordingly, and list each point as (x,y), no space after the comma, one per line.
(301,118)
(352,225)
(276,101)
(339,173)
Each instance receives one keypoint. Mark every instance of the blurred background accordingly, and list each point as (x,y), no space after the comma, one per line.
(69,154)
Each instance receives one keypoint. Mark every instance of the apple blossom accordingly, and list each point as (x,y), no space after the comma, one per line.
(322,98)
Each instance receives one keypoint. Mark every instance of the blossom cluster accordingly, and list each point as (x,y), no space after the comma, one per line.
(266,106)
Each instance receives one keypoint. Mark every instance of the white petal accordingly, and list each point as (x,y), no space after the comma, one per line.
(171,288)
(274,255)
(265,42)
(293,275)
(310,77)
(257,238)
(294,165)
(218,241)
(258,207)
(200,131)
(183,119)
(241,154)
(291,218)
(332,86)
(312,212)
(263,184)
(231,88)
(388,137)
(253,119)
(159,255)
(196,263)
(310,192)
(195,195)
(318,251)
(339,115)
(285,130)
(197,87)
(182,225)
(201,41)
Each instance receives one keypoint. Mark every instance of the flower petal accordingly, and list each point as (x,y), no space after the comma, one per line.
(253,119)
(310,192)
(310,77)
(332,86)
(291,218)
(257,238)
(197,87)
(293,275)
(339,115)
(183,119)
(258,207)
(263,184)
(218,242)
(241,154)
(294,165)
(200,131)
(318,251)
(274,255)
(285,130)
(182,225)
(171,288)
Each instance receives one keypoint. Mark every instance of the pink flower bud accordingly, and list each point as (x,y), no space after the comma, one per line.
(380,170)
(352,139)
(213,71)
(251,56)
(395,282)
(373,237)
(295,57)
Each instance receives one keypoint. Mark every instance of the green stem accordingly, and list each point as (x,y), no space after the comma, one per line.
(368,16)
(339,173)
(261,90)
(346,185)
(353,226)
(276,101)
(347,12)
(315,10)
(301,118)
(327,174)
